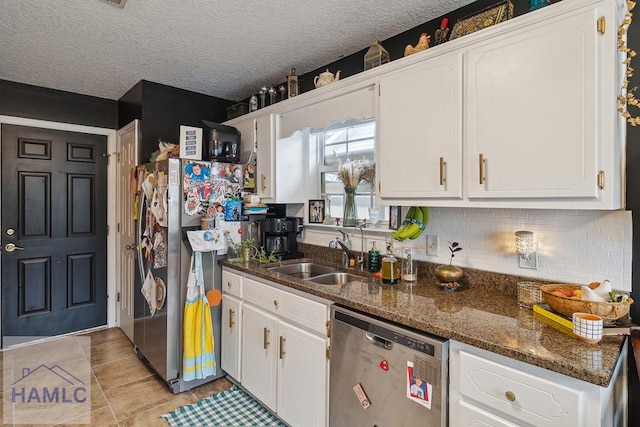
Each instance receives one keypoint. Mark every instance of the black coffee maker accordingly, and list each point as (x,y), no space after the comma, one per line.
(278,235)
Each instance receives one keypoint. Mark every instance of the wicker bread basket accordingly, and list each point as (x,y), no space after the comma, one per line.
(568,306)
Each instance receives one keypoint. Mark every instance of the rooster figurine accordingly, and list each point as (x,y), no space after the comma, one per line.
(423,44)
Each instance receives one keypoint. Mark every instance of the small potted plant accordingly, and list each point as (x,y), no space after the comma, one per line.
(450,273)
(248,249)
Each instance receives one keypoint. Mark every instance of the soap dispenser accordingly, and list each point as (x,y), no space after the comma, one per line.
(374,259)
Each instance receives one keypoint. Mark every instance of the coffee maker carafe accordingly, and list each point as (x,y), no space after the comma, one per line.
(278,235)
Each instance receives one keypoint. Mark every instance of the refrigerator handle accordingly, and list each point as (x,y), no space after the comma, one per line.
(143,203)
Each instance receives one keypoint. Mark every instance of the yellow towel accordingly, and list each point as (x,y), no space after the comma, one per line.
(198,360)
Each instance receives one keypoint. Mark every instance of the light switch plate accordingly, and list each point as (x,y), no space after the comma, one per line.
(433,245)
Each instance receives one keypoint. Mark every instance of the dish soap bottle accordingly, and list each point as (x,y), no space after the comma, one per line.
(374,259)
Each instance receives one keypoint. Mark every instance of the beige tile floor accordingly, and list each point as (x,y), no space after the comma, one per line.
(125,392)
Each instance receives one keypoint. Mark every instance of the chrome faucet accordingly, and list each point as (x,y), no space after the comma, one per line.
(345,245)
(360,260)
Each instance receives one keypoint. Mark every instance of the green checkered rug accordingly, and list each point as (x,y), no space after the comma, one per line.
(230,408)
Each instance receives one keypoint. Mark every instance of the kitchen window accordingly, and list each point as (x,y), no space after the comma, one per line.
(354,140)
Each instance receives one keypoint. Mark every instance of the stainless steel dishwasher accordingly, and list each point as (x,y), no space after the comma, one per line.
(385,375)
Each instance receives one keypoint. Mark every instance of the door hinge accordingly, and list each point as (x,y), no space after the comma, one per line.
(328,352)
(602,25)
(601,180)
(378,90)
(118,228)
(107,230)
(328,328)
(118,297)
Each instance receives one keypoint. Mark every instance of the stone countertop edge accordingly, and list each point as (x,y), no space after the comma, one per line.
(482,315)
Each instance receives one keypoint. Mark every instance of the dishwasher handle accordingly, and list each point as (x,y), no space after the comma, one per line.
(379,341)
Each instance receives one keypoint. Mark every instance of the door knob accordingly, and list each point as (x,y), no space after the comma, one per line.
(10,247)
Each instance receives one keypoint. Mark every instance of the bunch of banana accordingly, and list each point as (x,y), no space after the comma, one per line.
(414,223)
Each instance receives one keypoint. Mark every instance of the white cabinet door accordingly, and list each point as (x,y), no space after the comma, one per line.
(532,112)
(419,141)
(265,169)
(230,339)
(302,377)
(247,131)
(259,347)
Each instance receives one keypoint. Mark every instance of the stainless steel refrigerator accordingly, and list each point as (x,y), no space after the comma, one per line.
(164,250)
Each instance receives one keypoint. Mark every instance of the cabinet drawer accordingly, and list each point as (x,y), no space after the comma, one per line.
(295,309)
(231,283)
(520,395)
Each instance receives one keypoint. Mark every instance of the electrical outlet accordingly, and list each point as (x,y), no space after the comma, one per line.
(433,244)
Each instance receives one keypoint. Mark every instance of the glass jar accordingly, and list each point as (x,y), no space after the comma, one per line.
(409,266)
(390,269)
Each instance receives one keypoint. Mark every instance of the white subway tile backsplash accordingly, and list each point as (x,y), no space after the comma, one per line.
(574,246)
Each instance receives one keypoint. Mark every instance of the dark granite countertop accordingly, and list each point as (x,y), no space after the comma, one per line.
(485,314)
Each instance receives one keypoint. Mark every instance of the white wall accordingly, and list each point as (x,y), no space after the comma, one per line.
(574,246)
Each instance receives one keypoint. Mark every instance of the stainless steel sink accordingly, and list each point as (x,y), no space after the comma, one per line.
(337,278)
(303,270)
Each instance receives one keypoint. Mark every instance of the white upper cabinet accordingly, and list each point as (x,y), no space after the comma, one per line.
(533,111)
(265,157)
(419,138)
(258,136)
(519,115)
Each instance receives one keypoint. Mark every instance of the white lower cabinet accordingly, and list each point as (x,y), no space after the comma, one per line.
(230,339)
(302,376)
(487,389)
(259,346)
(281,349)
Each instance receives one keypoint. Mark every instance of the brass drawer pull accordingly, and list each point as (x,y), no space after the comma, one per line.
(481,168)
(231,322)
(442,171)
(511,397)
(282,352)
(265,338)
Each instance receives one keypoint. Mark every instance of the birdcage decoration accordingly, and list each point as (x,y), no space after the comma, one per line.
(375,56)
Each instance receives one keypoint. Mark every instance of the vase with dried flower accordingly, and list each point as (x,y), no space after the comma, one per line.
(450,273)
(351,174)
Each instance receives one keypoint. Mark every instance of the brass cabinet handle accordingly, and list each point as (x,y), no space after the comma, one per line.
(601,180)
(265,338)
(511,397)
(228,284)
(231,322)
(282,341)
(442,165)
(275,303)
(264,179)
(481,168)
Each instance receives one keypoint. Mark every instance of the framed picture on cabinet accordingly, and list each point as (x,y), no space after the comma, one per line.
(394,217)
(316,211)
(492,15)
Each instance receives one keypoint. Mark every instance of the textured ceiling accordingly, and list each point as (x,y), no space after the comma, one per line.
(223,48)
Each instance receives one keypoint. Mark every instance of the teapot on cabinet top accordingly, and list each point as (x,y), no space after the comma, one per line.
(325,78)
